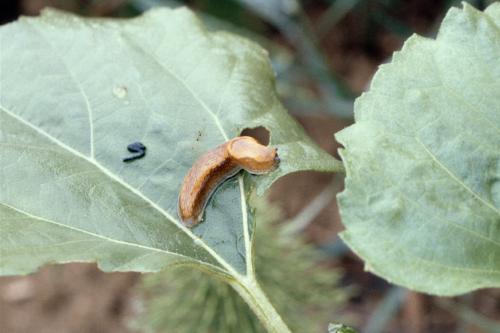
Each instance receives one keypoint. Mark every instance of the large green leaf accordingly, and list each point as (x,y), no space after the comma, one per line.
(422,198)
(75,92)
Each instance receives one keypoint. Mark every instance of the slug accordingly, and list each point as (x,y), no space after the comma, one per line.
(217,165)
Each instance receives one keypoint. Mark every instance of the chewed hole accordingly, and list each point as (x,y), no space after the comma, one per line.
(260,134)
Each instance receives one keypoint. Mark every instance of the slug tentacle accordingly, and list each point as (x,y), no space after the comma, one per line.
(217,165)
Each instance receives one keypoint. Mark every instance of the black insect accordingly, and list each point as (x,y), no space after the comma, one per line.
(138,149)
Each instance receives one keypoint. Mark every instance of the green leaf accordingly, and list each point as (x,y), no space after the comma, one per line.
(282,264)
(75,92)
(422,197)
(340,328)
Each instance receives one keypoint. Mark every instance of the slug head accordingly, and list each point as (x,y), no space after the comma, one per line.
(252,156)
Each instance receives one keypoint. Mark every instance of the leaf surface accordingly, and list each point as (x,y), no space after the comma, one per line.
(422,197)
(75,92)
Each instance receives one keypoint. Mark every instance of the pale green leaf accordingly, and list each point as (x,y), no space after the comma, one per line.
(340,328)
(75,92)
(422,198)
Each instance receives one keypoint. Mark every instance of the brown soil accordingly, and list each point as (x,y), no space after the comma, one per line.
(67,298)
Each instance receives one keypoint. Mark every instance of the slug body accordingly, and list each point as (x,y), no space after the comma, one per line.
(217,165)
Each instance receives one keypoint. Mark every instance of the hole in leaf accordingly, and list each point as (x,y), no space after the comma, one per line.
(260,134)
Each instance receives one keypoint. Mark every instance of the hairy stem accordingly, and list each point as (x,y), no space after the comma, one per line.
(254,296)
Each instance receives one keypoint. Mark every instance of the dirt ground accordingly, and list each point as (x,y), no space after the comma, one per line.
(67,298)
(80,298)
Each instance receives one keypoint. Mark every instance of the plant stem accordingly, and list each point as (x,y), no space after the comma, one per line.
(250,290)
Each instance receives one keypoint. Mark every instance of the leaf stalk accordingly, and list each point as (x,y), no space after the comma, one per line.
(250,290)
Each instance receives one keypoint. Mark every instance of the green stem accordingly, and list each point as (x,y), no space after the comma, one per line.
(250,290)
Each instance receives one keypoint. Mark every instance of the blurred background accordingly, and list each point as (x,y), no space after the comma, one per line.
(324,53)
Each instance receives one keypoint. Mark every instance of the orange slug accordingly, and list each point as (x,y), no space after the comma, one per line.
(217,165)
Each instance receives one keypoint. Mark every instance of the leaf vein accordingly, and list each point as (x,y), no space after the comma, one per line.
(77,84)
(456,179)
(107,239)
